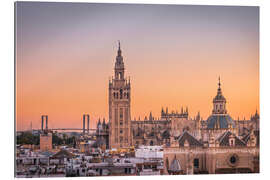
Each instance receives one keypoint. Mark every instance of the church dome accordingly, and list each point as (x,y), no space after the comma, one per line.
(217,121)
(219,97)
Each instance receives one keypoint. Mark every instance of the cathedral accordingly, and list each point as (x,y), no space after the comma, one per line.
(218,144)
(125,132)
(222,145)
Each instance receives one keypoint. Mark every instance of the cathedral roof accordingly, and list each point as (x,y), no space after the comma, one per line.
(166,134)
(187,137)
(246,137)
(217,121)
(257,135)
(224,139)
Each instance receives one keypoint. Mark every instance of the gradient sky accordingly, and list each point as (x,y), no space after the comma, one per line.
(173,54)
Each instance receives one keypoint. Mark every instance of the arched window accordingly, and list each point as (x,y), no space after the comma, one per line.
(127,95)
(121,93)
(119,75)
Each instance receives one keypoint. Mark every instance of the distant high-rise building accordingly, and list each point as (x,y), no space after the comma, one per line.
(119,106)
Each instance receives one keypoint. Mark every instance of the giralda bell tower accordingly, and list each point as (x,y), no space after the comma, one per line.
(119,106)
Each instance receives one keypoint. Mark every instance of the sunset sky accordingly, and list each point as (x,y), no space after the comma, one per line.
(172,53)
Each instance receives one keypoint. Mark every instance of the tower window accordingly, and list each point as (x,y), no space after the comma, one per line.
(121,93)
(121,113)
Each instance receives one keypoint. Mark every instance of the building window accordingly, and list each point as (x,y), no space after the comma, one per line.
(121,131)
(121,93)
(231,142)
(196,163)
(233,160)
(119,75)
(116,116)
(121,113)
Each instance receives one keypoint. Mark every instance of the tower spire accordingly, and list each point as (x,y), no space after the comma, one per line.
(119,68)
(119,48)
(219,84)
(219,101)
